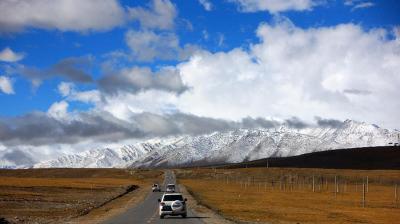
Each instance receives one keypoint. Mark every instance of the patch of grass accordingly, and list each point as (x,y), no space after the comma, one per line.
(279,195)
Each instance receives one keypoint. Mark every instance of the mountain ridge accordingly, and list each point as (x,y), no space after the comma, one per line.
(230,146)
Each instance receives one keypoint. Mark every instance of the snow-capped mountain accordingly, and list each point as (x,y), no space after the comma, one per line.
(231,146)
(120,157)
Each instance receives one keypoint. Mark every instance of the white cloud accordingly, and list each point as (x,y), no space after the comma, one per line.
(9,55)
(89,96)
(125,105)
(138,79)
(275,6)
(68,90)
(338,72)
(208,6)
(148,45)
(363,5)
(65,88)
(358,4)
(6,85)
(159,15)
(58,110)
(64,15)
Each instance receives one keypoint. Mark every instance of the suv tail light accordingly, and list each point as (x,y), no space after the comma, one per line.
(162,203)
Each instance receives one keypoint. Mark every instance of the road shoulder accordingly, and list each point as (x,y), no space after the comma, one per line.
(113,208)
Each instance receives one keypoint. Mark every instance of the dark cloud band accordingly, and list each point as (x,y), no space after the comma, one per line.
(41,129)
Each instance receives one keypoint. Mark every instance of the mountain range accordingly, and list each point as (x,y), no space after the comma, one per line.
(230,146)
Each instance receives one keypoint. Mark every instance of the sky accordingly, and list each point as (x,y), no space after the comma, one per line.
(76,75)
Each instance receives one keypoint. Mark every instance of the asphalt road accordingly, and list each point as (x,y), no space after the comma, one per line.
(147,211)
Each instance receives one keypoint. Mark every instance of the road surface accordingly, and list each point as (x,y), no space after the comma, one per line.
(147,211)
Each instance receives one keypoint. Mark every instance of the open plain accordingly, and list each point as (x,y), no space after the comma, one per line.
(64,195)
(292,195)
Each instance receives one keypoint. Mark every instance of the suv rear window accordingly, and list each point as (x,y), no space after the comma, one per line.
(172,197)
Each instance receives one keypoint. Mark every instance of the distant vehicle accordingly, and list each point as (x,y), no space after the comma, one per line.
(172,204)
(170,188)
(156,187)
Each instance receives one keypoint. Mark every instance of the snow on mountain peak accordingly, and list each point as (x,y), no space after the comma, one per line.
(231,146)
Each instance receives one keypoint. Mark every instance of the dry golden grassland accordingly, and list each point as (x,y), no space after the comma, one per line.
(58,195)
(288,195)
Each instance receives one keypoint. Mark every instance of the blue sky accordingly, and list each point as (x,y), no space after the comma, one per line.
(220,60)
(44,47)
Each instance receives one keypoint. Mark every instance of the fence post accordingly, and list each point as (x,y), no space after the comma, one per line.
(363,195)
(334,188)
(367,184)
(326,184)
(337,185)
(395,194)
(313,183)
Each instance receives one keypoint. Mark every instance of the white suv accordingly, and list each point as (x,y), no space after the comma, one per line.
(170,188)
(155,188)
(172,204)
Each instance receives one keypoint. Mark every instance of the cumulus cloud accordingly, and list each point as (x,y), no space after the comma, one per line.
(69,91)
(274,6)
(148,45)
(74,68)
(64,15)
(160,14)
(58,110)
(8,55)
(339,72)
(65,88)
(6,85)
(208,6)
(137,79)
